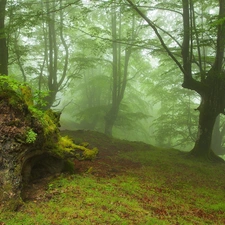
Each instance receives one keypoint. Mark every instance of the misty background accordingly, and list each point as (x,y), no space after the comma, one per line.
(103,68)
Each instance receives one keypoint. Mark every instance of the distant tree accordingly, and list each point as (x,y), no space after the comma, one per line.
(90,100)
(39,46)
(210,84)
(3,44)
(218,136)
(54,44)
(120,64)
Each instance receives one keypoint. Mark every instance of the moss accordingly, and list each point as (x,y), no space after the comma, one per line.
(85,144)
(89,170)
(13,98)
(18,94)
(90,153)
(50,121)
(13,204)
(49,125)
(27,95)
(66,147)
(46,119)
(9,201)
(66,144)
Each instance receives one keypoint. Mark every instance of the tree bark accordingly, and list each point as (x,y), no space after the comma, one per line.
(213,94)
(217,138)
(3,44)
(212,104)
(202,147)
(111,115)
(110,119)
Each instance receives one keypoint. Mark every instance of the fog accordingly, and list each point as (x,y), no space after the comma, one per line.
(107,67)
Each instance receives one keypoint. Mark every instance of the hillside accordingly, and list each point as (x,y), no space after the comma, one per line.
(128,183)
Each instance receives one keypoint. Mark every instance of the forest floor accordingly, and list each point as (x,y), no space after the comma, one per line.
(129,183)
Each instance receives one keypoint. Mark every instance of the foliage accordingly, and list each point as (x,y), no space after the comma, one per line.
(27,95)
(174,114)
(31,136)
(6,82)
(23,91)
(48,118)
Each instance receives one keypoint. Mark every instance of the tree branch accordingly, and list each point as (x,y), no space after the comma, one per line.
(220,38)
(152,25)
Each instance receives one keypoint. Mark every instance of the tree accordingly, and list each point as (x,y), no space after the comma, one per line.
(211,83)
(53,45)
(119,68)
(3,44)
(40,38)
(218,137)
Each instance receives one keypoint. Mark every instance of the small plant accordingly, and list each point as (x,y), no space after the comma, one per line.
(39,98)
(6,82)
(31,136)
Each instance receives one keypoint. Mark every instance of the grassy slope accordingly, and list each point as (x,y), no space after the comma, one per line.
(129,183)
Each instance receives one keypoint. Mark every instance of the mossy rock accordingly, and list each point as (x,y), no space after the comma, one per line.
(22,138)
(30,143)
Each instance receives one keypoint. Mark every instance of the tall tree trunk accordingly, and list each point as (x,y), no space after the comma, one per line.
(207,118)
(119,70)
(3,44)
(52,57)
(110,119)
(111,115)
(217,138)
(54,43)
(212,93)
(212,104)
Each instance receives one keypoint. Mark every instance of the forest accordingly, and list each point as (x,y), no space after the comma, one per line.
(112,112)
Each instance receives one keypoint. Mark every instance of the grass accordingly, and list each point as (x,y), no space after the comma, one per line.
(131,183)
